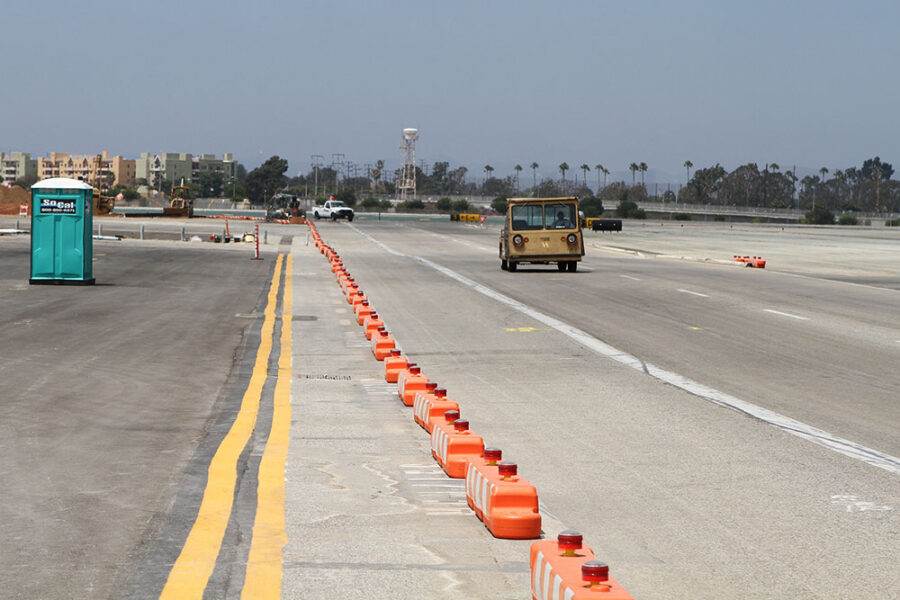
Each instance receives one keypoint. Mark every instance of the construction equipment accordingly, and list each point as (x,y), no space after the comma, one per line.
(180,204)
(103,205)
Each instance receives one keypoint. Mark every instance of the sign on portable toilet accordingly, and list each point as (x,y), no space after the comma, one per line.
(61,229)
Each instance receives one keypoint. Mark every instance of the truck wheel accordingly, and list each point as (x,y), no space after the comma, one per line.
(512,267)
(334,216)
(503,265)
(316,215)
(561,265)
(573,266)
(350,218)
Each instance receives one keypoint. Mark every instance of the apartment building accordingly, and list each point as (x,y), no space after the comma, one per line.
(17,165)
(115,169)
(173,167)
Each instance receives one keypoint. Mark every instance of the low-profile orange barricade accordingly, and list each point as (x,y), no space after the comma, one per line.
(409,383)
(506,503)
(382,343)
(429,409)
(563,568)
(453,444)
(371,324)
(362,311)
(394,364)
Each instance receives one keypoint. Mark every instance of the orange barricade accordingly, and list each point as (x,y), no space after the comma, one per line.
(362,310)
(757,262)
(356,298)
(382,343)
(506,503)
(563,568)
(371,324)
(452,445)
(429,409)
(490,458)
(394,364)
(409,383)
(421,396)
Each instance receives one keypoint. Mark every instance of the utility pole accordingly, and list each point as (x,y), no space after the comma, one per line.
(316,161)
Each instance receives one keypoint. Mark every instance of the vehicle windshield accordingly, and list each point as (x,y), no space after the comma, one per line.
(337,203)
(550,216)
(560,216)
(528,216)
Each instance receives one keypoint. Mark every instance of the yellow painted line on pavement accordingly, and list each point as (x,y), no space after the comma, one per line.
(195,564)
(264,563)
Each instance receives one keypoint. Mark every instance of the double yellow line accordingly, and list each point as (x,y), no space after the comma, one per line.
(194,566)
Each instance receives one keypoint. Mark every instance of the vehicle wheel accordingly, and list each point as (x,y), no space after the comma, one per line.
(561,265)
(512,266)
(333,217)
(504,265)
(573,266)
(316,214)
(350,218)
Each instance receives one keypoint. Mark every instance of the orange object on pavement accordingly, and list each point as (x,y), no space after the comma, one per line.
(371,324)
(382,343)
(564,568)
(393,365)
(409,383)
(506,503)
(362,310)
(452,446)
(490,458)
(429,409)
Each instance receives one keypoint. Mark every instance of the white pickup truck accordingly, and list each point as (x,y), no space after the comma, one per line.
(334,210)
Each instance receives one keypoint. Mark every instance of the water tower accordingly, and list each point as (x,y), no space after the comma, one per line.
(407,184)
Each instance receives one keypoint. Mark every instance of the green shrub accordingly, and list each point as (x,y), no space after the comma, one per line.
(411,205)
(443,205)
(500,205)
(682,217)
(892,223)
(720,218)
(848,220)
(758,220)
(460,205)
(820,215)
(371,203)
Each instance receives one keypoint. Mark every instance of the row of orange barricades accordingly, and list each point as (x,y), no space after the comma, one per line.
(506,503)
(755,262)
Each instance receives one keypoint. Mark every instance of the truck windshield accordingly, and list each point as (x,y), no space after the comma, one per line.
(560,216)
(528,216)
(335,203)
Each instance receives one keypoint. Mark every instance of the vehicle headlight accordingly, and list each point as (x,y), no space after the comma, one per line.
(571,238)
(517,240)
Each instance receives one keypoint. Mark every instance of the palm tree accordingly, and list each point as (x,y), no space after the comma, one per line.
(534,167)
(643,169)
(584,169)
(824,172)
(605,173)
(634,167)
(518,169)
(562,169)
(600,169)
(488,169)
(688,165)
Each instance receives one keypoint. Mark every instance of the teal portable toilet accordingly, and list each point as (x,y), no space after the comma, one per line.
(62,225)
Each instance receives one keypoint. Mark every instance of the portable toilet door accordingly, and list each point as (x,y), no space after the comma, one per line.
(61,232)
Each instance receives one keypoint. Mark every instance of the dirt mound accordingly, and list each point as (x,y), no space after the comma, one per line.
(11,198)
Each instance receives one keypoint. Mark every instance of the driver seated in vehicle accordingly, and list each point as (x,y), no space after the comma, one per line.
(562,222)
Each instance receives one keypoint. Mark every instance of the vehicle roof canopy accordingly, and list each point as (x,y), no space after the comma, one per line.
(541,200)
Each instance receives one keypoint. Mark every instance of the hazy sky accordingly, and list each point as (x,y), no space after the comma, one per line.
(499,82)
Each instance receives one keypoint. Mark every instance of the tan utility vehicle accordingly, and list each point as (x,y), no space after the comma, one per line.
(541,231)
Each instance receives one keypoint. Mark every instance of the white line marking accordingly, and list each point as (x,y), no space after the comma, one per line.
(693,293)
(784,314)
(791,426)
(630,277)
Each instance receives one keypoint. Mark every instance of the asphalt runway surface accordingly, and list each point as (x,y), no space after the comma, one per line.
(116,397)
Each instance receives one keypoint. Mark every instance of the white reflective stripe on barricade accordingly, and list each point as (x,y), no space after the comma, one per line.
(541,573)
